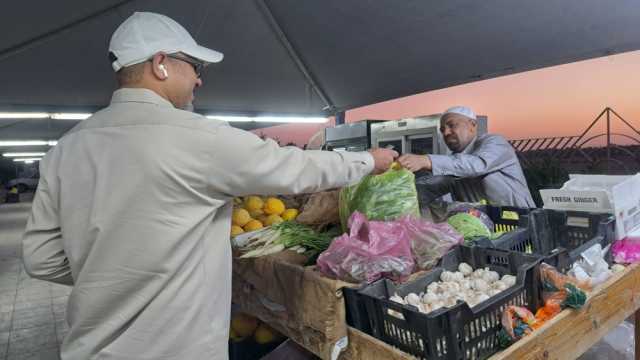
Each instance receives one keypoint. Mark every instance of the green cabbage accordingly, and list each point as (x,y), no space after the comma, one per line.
(469,226)
(384,197)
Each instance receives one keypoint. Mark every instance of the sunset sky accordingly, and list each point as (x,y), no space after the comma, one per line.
(555,101)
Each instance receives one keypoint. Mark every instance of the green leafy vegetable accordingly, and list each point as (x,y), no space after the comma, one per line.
(387,196)
(469,226)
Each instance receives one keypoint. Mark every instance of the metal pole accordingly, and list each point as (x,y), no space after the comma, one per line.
(608,140)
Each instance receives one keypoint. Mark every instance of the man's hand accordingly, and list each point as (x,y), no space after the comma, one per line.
(415,163)
(382,159)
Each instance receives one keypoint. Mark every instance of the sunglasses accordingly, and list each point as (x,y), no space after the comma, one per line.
(198,66)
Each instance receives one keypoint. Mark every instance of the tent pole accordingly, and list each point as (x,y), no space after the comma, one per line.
(266,11)
(15,49)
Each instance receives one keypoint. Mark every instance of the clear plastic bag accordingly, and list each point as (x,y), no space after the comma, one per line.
(370,250)
(471,209)
(383,197)
(429,241)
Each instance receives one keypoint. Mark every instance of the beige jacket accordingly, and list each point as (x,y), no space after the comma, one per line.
(133,209)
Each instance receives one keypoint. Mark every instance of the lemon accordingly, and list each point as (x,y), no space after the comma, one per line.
(253,225)
(289,214)
(253,203)
(256,214)
(240,217)
(236,230)
(243,325)
(233,336)
(274,206)
(272,219)
(265,334)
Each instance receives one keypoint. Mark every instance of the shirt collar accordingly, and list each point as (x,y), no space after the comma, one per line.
(469,147)
(139,95)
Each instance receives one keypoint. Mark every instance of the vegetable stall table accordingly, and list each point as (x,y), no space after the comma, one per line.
(566,336)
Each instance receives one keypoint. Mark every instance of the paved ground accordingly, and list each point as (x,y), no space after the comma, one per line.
(32,312)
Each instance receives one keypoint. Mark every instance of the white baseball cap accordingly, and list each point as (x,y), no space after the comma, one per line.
(461,110)
(144,34)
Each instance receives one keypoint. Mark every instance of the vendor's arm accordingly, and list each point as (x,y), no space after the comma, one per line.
(251,165)
(42,252)
(493,154)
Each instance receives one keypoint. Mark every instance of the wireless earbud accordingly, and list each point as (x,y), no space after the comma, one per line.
(164,70)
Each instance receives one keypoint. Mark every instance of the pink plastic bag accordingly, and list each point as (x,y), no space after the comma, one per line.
(429,241)
(626,251)
(372,249)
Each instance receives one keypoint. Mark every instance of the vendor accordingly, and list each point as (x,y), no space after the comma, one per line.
(485,167)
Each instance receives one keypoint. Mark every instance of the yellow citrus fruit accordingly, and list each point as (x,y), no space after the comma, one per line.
(243,324)
(274,206)
(256,214)
(289,214)
(253,203)
(237,201)
(272,219)
(265,334)
(240,217)
(236,230)
(253,225)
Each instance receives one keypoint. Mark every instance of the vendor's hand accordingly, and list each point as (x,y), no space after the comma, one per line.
(415,163)
(382,159)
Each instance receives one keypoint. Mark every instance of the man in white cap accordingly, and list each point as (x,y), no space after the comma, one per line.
(484,167)
(134,204)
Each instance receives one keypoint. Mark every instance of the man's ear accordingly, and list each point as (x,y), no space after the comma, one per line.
(158,67)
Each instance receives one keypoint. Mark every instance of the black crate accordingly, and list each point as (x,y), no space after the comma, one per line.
(559,236)
(459,332)
(357,316)
(507,218)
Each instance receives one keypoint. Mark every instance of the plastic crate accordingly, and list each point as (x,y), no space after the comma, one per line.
(459,332)
(357,316)
(559,236)
(507,218)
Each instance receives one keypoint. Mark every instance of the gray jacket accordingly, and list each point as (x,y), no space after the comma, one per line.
(487,168)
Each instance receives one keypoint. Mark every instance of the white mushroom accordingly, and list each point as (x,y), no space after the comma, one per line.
(429,298)
(450,302)
(424,308)
(398,299)
(482,297)
(447,276)
(458,276)
(509,280)
(499,285)
(451,287)
(465,284)
(491,276)
(478,273)
(465,269)
(412,299)
(434,287)
(479,285)
(494,292)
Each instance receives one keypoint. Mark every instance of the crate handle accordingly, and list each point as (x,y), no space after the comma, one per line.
(510,215)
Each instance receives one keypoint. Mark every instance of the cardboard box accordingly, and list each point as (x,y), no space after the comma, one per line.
(294,299)
(613,194)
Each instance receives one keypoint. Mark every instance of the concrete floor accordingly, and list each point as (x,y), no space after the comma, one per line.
(32,312)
